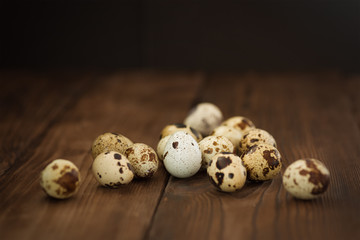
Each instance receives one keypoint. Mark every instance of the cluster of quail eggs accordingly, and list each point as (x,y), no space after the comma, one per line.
(117,161)
(233,151)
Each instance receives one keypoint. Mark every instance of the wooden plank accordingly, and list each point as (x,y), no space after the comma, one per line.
(29,105)
(310,116)
(136,105)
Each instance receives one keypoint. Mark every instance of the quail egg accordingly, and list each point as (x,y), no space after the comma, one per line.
(143,159)
(182,157)
(204,117)
(172,128)
(306,178)
(240,123)
(112,169)
(231,133)
(161,147)
(262,161)
(110,142)
(211,145)
(227,172)
(253,137)
(60,179)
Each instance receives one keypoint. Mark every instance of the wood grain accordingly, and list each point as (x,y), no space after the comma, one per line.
(310,115)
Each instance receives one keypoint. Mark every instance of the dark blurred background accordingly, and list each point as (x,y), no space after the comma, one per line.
(243,35)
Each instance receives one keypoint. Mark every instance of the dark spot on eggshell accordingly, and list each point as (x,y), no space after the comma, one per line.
(99,175)
(217,149)
(175,144)
(152,157)
(166,154)
(117,156)
(55,167)
(231,175)
(180,125)
(254,140)
(192,144)
(213,182)
(208,151)
(265,171)
(252,149)
(220,177)
(273,162)
(118,140)
(223,162)
(107,152)
(68,181)
(121,170)
(226,153)
(215,143)
(295,182)
(320,180)
(118,163)
(210,162)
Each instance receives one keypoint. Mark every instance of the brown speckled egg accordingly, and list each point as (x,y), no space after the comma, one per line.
(227,172)
(211,145)
(110,142)
(60,179)
(306,178)
(160,149)
(144,160)
(230,133)
(241,123)
(112,169)
(204,117)
(254,137)
(262,162)
(172,128)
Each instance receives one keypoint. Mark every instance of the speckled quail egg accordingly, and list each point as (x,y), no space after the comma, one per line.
(241,123)
(143,159)
(160,149)
(182,157)
(253,137)
(172,128)
(306,178)
(60,179)
(204,117)
(231,133)
(262,162)
(227,172)
(112,169)
(211,145)
(110,142)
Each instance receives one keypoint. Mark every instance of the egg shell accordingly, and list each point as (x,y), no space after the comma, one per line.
(60,179)
(240,123)
(204,117)
(263,162)
(254,137)
(182,156)
(160,149)
(112,169)
(143,159)
(110,142)
(227,172)
(172,128)
(306,178)
(231,133)
(212,145)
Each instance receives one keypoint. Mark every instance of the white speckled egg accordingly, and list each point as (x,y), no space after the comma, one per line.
(231,133)
(204,117)
(211,145)
(160,149)
(60,179)
(227,172)
(182,156)
(254,137)
(262,161)
(111,169)
(306,178)
(143,159)
(172,128)
(110,142)
(240,123)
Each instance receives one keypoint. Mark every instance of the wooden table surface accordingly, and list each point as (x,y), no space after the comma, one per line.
(45,116)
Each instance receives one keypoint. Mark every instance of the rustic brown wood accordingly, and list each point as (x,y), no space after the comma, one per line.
(310,115)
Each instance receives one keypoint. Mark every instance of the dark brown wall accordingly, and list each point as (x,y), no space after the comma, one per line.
(212,35)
